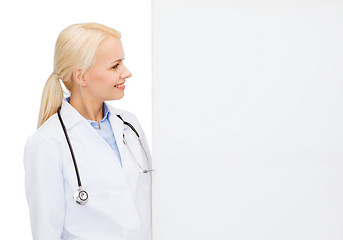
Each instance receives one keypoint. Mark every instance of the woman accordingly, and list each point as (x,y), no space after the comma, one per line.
(106,193)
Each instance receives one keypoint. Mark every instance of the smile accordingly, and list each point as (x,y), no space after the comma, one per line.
(119,85)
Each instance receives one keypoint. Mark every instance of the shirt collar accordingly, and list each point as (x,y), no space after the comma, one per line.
(105,108)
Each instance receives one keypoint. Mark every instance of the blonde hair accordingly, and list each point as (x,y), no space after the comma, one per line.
(75,47)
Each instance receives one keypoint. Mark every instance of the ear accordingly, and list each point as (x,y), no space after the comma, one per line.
(77,77)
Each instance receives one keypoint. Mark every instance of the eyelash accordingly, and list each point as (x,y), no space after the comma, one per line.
(116,66)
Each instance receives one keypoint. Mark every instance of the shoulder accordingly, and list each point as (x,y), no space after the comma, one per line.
(47,134)
(44,146)
(125,114)
(116,110)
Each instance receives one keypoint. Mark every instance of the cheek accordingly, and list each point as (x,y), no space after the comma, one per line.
(101,80)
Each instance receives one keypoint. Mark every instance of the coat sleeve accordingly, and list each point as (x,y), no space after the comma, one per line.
(44,187)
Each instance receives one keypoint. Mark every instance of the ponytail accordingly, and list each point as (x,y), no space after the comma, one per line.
(52,98)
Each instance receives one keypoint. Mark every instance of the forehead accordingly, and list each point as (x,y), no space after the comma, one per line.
(109,50)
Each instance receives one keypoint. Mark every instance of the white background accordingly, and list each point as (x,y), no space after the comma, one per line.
(248,120)
(247,110)
(29,30)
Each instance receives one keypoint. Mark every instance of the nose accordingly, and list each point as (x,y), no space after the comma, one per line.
(126,73)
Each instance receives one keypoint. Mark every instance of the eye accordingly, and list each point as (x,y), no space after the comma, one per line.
(115,66)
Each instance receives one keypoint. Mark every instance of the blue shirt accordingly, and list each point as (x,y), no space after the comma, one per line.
(105,130)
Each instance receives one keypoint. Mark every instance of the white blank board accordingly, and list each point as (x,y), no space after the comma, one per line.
(247,120)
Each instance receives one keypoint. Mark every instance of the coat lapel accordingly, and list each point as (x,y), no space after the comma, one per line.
(117,127)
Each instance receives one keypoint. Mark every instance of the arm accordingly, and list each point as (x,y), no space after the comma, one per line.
(44,187)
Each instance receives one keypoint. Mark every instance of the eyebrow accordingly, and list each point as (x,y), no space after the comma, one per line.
(118,60)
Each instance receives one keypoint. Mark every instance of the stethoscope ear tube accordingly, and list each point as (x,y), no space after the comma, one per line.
(80,196)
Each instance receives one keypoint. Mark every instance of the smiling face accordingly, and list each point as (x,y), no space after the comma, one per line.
(107,72)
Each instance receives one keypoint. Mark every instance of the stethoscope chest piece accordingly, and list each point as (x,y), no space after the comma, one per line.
(81,196)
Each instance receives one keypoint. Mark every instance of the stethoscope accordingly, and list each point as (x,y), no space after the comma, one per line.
(81,196)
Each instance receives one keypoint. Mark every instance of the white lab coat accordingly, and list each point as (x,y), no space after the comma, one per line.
(119,205)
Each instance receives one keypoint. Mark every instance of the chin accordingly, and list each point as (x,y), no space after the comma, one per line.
(116,97)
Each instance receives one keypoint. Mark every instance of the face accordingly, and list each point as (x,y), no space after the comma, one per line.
(105,80)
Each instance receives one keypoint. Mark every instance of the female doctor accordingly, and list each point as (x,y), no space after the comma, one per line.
(88,165)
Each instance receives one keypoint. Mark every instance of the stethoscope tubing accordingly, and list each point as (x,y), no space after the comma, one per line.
(70,147)
(129,124)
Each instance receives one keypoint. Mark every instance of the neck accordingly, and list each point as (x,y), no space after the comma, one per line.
(89,108)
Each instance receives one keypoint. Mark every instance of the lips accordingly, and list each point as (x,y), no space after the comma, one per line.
(119,84)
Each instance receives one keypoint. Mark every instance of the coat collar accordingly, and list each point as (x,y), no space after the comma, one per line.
(71,117)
